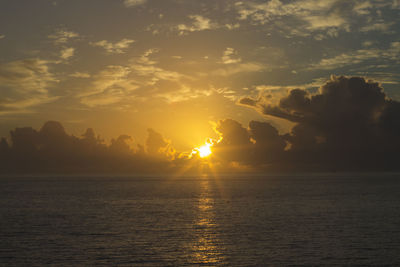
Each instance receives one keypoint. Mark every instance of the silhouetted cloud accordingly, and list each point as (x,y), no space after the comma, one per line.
(51,149)
(156,145)
(348,124)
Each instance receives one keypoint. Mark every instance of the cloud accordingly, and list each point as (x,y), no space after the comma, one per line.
(25,83)
(392,53)
(157,146)
(378,26)
(324,22)
(133,3)
(80,75)
(316,83)
(67,53)
(63,36)
(234,144)
(349,124)
(230,56)
(363,8)
(156,73)
(199,23)
(117,84)
(146,67)
(231,26)
(109,86)
(52,149)
(238,68)
(184,93)
(306,17)
(114,48)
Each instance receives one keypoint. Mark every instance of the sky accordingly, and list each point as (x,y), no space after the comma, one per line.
(181,67)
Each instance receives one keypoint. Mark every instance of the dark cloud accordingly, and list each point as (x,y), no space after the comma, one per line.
(157,146)
(155,142)
(349,124)
(234,143)
(51,149)
(268,144)
(259,144)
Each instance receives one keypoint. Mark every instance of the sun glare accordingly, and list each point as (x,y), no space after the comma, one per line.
(205,151)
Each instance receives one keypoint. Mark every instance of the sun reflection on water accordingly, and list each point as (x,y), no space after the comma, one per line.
(206,247)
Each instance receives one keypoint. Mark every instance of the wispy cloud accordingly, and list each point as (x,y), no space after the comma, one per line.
(301,17)
(184,93)
(111,76)
(230,56)
(145,66)
(359,56)
(132,3)
(199,23)
(109,86)
(25,83)
(238,68)
(80,75)
(26,75)
(62,36)
(114,48)
(67,53)
(378,26)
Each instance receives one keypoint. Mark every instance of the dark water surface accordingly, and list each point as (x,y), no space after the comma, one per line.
(341,219)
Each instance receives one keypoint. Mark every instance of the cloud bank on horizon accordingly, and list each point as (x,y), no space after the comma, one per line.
(129,65)
(348,125)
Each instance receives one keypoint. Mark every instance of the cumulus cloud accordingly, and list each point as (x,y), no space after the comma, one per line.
(235,144)
(52,149)
(350,123)
(258,146)
(157,146)
(114,48)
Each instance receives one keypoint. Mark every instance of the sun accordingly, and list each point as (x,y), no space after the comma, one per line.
(205,150)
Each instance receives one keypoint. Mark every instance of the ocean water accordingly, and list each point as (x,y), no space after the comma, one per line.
(255,220)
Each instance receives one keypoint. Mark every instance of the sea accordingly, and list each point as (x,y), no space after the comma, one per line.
(326,219)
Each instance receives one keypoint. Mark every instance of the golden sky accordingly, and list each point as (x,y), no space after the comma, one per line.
(180,66)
